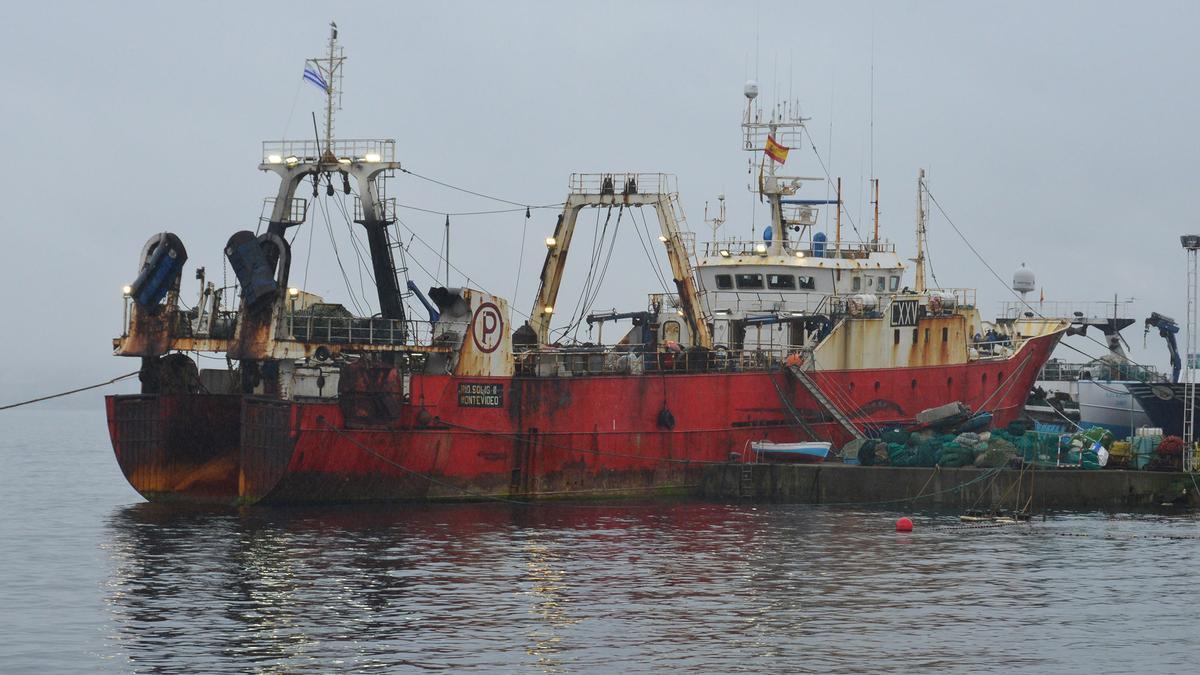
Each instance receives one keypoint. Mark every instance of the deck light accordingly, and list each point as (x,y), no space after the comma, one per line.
(551,241)
(292,160)
(293,291)
(679,312)
(274,159)
(724,253)
(799,254)
(343,160)
(662,238)
(761,249)
(371,156)
(548,309)
(127,290)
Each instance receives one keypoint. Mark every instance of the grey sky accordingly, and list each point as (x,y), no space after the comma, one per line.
(1058,134)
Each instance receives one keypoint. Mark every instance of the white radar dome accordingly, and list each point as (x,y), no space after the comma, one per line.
(1024,280)
(751,89)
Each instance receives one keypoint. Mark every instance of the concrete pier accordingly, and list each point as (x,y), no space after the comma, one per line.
(960,488)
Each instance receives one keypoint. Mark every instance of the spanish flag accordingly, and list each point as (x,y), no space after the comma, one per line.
(776,151)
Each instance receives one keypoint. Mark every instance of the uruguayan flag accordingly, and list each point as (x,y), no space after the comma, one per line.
(311,74)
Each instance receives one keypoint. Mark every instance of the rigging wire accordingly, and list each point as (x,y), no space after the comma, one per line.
(1006,286)
(440,256)
(657,269)
(521,256)
(598,235)
(324,208)
(479,213)
(462,189)
(308,253)
(357,246)
(813,144)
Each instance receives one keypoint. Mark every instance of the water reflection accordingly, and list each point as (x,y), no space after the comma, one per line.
(627,587)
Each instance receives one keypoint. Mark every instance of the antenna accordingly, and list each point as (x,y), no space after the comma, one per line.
(719,220)
(875,201)
(921,218)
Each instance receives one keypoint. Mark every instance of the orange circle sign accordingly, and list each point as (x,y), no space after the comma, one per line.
(487,327)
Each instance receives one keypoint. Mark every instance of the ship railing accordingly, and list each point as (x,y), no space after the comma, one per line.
(629,182)
(1065,309)
(387,208)
(358,330)
(963,297)
(568,363)
(727,304)
(354,150)
(656,301)
(295,211)
(1058,371)
(1000,348)
(741,248)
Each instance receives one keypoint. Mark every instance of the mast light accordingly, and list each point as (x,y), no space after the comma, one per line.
(274,159)
(550,242)
(127,290)
(371,157)
(292,160)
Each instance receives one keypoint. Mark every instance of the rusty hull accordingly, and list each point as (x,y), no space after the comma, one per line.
(205,448)
(550,437)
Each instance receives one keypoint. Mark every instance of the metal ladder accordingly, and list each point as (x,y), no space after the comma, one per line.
(746,484)
(824,401)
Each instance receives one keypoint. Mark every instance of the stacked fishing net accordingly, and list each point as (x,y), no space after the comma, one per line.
(928,449)
(1014,444)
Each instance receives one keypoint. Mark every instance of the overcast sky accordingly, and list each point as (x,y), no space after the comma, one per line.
(1061,135)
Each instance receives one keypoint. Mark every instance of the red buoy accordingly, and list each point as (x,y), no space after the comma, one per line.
(904,525)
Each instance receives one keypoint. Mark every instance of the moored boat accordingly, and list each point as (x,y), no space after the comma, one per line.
(803,451)
(796,337)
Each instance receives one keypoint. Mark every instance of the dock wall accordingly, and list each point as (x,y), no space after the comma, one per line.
(960,488)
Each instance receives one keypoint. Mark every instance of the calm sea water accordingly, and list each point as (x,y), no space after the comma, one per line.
(94,579)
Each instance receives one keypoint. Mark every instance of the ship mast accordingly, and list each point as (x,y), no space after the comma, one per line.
(921,216)
(366,162)
(331,69)
(771,139)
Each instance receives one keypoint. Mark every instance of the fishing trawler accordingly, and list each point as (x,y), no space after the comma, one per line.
(1096,392)
(797,336)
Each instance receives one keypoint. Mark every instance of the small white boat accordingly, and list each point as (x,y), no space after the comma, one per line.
(805,451)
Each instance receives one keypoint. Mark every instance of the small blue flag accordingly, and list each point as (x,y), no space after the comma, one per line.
(311,74)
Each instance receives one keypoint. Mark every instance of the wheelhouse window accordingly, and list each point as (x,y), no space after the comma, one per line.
(724,282)
(856,284)
(809,283)
(880,284)
(894,283)
(749,281)
(782,282)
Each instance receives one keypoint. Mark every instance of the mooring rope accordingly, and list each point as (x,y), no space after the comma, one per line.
(72,391)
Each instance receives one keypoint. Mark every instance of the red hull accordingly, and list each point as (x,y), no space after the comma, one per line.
(565,436)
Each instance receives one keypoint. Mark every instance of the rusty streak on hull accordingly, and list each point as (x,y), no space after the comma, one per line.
(567,436)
